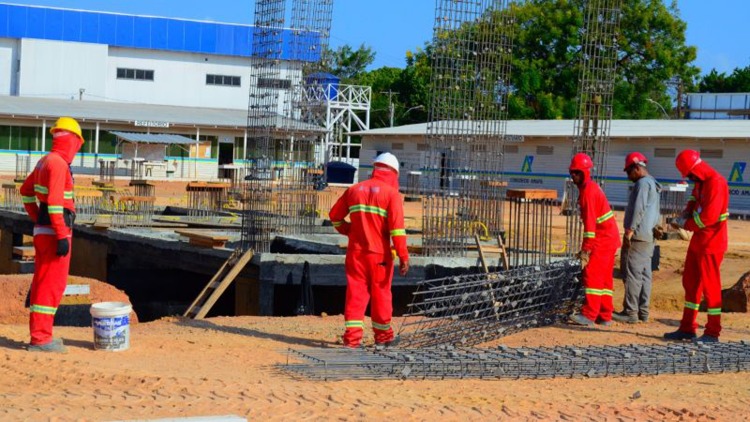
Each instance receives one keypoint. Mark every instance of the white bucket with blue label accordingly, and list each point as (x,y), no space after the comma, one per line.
(111,323)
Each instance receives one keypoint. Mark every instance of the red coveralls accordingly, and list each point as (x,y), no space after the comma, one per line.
(708,211)
(51,183)
(377,215)
(601,239)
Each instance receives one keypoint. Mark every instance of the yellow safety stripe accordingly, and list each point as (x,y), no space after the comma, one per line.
(368,208)
(46,310)
(693,306)
(697,219)
(714,311)
(724,216)
(354,324)
(68,194)
(41,189)
(595,292)
(604,217)
(381,326)
(589,235)
(398,232)
(691,198)
(28,199)
(55,209)
(607,292)
(337,223)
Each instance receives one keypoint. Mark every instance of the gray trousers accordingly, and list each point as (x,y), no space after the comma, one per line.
(636,272)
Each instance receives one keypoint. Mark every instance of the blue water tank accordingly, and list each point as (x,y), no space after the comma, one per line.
(328,81)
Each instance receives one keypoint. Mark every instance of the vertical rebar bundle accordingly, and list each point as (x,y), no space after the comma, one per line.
(89,203)
(467,121)
(475,308)
(529,234)
(206,199)
(599,47)
(107,172)
(12,198)
(23,167)
(672,200)
(284,120)
(133,211)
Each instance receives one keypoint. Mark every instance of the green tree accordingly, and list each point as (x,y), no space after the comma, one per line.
(737,81)
(349,64)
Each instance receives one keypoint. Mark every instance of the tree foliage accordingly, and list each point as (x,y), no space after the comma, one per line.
(715,82)
(653,60)
(349,64)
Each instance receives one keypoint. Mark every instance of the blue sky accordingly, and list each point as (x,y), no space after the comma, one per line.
(391,27)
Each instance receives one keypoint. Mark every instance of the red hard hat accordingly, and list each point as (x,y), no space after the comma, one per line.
(634,158)
(581,162)
(686,160)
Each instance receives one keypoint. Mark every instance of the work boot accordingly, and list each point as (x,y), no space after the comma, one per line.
(643,318)
(54,346)
(624,318)
(679,335)
(603,323)
(388,344)
(705,338)
(578,319)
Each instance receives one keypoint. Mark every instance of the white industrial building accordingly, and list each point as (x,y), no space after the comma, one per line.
(141,74)
(540,151)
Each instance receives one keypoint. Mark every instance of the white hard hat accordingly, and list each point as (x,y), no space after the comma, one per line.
(389,160)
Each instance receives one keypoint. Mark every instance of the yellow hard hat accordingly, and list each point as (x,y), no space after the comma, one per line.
(67,123)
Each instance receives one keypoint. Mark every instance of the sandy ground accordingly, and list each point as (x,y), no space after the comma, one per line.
(229,365)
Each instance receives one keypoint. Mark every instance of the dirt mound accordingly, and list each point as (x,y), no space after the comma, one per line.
(14,288)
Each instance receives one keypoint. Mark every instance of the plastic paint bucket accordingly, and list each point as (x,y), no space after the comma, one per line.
(111,324)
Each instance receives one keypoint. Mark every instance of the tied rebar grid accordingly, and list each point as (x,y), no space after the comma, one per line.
(529,236)
(466,310)
(285,122)
(206,199)
(516,363)
(467,119)
(262,115)
(23,167)
(672,200)
(596,91)
(12,198)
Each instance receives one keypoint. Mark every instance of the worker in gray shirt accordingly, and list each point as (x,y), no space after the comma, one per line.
(641,216)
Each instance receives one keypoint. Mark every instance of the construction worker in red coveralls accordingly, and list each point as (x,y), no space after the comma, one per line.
(601,240)
(706,216)
(47,195)
(376,211)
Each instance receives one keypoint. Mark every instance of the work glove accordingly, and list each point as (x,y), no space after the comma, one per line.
(678,222)
(584,257)
(63,247)
(403,266)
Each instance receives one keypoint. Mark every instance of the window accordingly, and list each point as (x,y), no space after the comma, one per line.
(712,153)
(274,83)
(664,152)
(135,74)
(223,80)
(395,146)
(545,150)
(479,148)
(510,149)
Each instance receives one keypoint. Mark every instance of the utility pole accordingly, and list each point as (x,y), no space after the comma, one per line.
(80,93)
(391,106)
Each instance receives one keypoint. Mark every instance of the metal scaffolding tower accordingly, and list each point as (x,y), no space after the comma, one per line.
(597,85)
(463,185)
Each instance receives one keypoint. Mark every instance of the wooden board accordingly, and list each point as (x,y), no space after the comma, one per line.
(205,239)
(531,193)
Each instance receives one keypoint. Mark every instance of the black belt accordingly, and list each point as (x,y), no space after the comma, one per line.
(68,216)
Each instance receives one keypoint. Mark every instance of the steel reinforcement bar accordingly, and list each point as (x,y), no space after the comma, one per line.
(504,362)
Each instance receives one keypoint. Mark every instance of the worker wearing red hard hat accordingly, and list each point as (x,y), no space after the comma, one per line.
(706,216)
(638,242)
(47,195)
(376,211)
(601,239)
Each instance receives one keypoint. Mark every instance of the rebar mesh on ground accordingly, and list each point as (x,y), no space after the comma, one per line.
(462,180)
(471,309)
(515,363)
(529,234)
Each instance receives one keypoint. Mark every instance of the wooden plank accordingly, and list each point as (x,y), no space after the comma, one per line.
(481,254)
(233,272)
(210,285)
(504,252)
(202,235)
(24,251)
(531,193)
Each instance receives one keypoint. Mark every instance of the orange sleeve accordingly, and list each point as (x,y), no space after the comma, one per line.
(28,196)
(338,213)
(396,226)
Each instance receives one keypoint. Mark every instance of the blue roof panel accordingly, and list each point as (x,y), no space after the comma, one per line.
(146,32)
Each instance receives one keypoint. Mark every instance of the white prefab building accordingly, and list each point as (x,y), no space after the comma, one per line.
(540,151)
(116,72)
